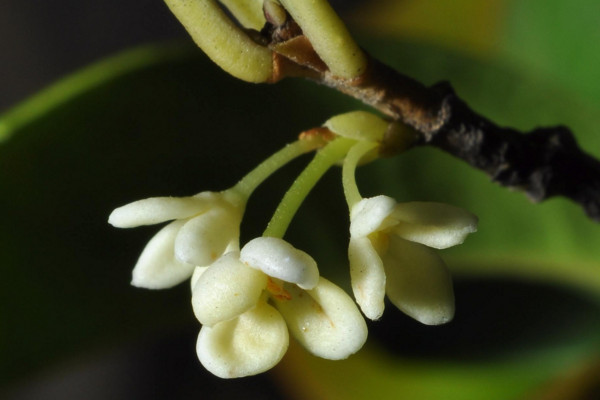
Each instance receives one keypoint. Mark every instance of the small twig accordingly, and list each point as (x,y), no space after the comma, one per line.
(543,163)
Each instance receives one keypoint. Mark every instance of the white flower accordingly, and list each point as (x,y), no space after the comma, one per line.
(205,226)
(248,300)
(390,252)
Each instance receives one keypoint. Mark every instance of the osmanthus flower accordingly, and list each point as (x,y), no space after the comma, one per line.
(204,226)
(248,300)
(391,252)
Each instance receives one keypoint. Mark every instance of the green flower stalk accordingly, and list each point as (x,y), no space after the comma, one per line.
(250,298)
(325,158)
(390,249)
(203,227)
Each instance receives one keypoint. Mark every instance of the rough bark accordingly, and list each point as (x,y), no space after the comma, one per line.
(543,163)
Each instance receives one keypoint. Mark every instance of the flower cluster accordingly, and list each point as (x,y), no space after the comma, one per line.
(250,299)
(242,334)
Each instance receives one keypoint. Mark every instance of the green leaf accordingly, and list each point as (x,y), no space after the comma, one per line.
(558,39)
(87,79)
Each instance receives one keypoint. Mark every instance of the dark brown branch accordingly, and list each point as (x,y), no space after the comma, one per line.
(543,163)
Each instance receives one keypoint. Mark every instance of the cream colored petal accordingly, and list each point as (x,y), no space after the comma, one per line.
(418,282)
(227,289)
(247,345)
(358,125)
(198,271)
(157,267)
(279,259)
(435,225)
(367,276)
(370,214)
(205,238)
(230,198)
(325,320)
(156,210)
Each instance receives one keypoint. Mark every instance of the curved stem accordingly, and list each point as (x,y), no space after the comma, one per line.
(296,194)
(351,161)
(250,182)
(328,36)
(229,46)
(248,13)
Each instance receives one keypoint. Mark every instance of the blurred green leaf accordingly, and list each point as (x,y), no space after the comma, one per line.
(87,79)
(559,39)
(553,39)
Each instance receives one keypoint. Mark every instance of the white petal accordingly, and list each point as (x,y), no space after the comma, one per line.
(369,215)
(418,282)
(227,289)
(228,198)
(198,271)
(358,125)
(157,267)
(205,238)
(279,259)
(325,320)
(368,277)
(247,345)
(435,225)
(156,210)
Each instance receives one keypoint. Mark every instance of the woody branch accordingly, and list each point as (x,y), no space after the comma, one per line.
(543,163)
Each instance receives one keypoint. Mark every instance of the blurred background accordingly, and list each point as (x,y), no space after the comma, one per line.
(43,41)
(143,124)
